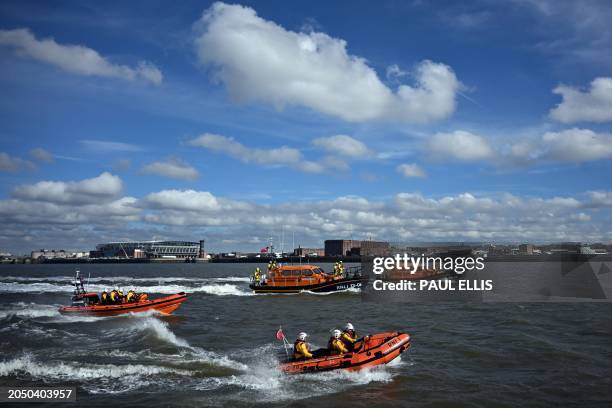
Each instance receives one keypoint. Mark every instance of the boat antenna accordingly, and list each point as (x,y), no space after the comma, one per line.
(285,342)
(88,278)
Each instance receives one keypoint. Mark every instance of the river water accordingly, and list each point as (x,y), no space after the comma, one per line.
(219,348)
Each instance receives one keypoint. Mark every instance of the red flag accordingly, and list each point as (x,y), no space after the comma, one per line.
(263,250)
(279,334)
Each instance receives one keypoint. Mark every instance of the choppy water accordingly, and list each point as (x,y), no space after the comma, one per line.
(219,347)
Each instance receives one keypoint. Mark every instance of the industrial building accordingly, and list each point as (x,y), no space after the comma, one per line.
(341,247)
(48,254)
(150,249)
(349,247)
(308,252)
(375,248)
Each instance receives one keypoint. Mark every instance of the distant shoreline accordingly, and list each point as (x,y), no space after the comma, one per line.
(560,257)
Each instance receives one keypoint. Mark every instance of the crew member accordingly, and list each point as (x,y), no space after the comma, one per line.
(257,275)
(300,347)
(340,268)
(335,344)
(349,337)
(121,296)
(114,296)
(131,296)
(104,297)
(336,269)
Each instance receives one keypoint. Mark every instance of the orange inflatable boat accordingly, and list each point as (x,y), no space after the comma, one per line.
(368,352)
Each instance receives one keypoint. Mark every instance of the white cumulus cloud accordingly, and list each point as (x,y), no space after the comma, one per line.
(460,145)
(283,155)
(410,170)
(173,168)
(577,145)
(103,187)
(260,60)
(593,105)
(343,145)
(191,200)
(76,59)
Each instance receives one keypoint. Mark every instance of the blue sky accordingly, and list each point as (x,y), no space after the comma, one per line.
(483,121)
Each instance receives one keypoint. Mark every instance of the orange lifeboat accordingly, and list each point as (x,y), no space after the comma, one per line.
(369,352)
(297,278)
(84,302)
(91,305)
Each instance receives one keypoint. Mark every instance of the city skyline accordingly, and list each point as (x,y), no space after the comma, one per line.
(397,121)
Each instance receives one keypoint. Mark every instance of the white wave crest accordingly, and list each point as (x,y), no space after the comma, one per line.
(63,371)
(161,330)
(222,290)
(23,309)
(232,279)
(225,289)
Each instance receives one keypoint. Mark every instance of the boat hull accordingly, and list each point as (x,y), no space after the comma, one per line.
(377,350)
(332,286)
(165,305)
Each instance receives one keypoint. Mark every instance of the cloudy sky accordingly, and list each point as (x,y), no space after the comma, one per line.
(395,120)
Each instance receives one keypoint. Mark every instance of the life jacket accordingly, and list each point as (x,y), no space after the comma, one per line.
(143,297)
(335,346)
(297,349)
(104,297)
(113,295)
(348,337)
(130,296)
(296,345)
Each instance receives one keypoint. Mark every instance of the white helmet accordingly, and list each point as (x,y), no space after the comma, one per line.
(349,327)
(302,336)
(337,333)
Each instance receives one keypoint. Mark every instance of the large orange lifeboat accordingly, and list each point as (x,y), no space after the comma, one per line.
(368,352)
(297,278)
